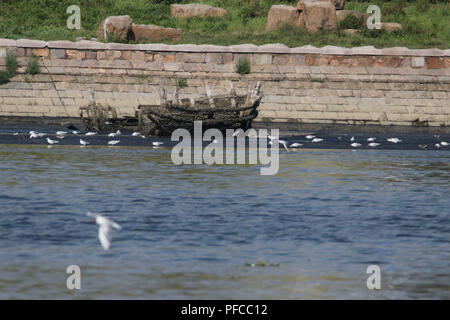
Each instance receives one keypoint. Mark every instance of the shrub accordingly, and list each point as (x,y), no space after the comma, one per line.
(182,83)
(33,65)
(351,22)
(11,64)
(243,66)
(4,78)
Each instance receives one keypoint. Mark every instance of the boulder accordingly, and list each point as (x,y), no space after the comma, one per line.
(282,14)
(319,15)
(118,27)
(155,33)
(195,9)
(391,26)
(338,4)
(341,14)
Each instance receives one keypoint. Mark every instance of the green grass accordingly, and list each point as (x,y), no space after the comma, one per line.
(11,64)
(33,65)
(243,66)
(424,24)
(182,83)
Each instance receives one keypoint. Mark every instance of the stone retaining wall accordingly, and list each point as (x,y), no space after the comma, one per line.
(395,86)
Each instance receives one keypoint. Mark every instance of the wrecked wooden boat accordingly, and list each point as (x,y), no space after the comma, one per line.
(229,111)
(104,118)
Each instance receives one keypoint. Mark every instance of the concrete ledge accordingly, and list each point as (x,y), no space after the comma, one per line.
(243,48)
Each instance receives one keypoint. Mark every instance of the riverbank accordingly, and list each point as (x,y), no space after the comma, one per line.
(304,85)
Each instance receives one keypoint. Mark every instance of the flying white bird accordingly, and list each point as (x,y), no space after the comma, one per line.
(84,143)
(315,140)
(394,140)
(90,133)
(113,142)
(373,144)
(444,143)
(356,144)
(371,139)
(157,143)
(282,142)
(310,137)
(104,230)
(296,145)
(50,141)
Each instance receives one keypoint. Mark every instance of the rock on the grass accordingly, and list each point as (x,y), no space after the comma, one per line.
(195,9)
(391,26)
(155,33)
(282,14)
(319,15)
(338,4)
(119,27)
(341,14)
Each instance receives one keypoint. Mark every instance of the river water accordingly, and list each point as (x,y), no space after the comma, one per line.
(223,231)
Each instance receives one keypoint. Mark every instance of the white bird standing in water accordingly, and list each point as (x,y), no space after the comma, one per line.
(113,142)
(444,143)
(352,139)
(394,140)
(50,141)
(315,140)
(310,137)
(373,144)
(355,145)
(115,134)
(296,145)
(135,134)
(90,133)
(157,143)
(104,230)
(371,139)
(84,143)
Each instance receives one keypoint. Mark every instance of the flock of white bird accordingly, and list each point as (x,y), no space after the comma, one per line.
(62,134)
(370,142)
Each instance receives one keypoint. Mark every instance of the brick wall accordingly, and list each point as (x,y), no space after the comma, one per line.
(394,86)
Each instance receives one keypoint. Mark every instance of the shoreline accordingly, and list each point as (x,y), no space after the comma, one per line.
(303,86)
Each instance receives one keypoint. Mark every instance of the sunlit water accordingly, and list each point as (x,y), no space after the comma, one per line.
(194,231)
